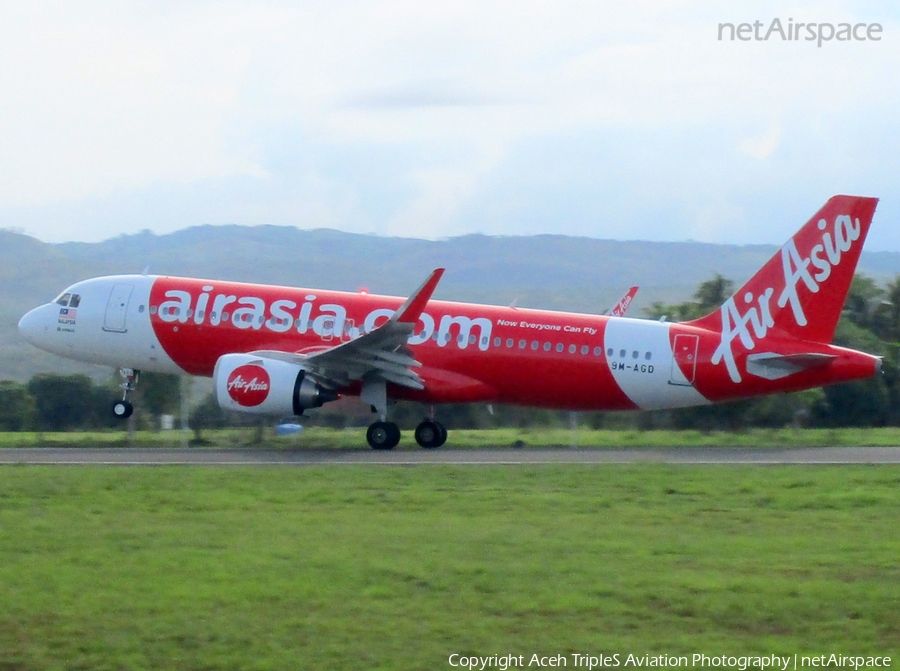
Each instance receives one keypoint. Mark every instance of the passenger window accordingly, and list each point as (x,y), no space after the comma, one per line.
(647,356)
(585,349)
(522,344)
(559,347)
(535,345)
(153,309)
(471,340)
(571,349)
(509,342)
(609,352)
(547,346)
(597,351)
(622,353)
(634,354)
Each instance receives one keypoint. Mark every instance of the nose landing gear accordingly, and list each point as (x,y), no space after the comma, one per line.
(124,409)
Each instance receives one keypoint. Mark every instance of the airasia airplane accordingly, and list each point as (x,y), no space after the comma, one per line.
(280,350)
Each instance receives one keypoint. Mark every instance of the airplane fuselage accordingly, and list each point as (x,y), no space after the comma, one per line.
(468,352)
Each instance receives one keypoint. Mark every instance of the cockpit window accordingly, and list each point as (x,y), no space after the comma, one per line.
(69,300)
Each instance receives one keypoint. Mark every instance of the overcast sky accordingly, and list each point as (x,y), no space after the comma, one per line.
(426,119)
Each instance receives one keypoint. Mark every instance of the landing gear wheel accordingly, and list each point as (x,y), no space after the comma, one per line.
(383,435)
(430,434)
(122,409)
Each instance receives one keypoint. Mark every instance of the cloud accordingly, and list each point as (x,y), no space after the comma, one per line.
(428,93)
(762,146)
(404,117)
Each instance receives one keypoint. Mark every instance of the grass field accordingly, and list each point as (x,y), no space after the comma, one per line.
(318,437)
(397,568)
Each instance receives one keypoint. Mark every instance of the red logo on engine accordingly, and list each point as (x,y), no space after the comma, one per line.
(249,385)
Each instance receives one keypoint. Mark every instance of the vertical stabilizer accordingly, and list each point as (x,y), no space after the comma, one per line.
(800,292)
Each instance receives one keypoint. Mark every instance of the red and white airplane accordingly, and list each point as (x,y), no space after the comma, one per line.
(281,350)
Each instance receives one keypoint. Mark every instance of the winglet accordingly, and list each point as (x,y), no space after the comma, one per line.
(409,312)
(620,308)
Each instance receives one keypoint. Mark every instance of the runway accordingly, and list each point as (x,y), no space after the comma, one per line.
(474,457)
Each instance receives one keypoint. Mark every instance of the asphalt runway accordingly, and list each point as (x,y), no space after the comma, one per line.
(511,456)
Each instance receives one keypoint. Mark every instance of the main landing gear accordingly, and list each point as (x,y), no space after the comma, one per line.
(431,434)
(123,409)
(383,435)
(386,435)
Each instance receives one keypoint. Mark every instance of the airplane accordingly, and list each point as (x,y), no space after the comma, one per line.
(275,350)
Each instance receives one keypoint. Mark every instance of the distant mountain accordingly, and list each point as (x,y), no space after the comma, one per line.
(544,271)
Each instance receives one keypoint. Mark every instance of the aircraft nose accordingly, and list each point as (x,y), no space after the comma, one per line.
(33,325)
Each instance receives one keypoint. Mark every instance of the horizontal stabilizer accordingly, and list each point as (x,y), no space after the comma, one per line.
(772,366)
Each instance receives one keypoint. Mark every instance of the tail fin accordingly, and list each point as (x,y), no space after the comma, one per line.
(801,290)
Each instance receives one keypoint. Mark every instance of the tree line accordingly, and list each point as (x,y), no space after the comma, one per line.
(870,322)
(53,402)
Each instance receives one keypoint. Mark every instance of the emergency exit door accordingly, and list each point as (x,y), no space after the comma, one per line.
(684,360)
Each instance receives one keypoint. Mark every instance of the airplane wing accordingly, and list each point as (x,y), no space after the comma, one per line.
(381,351)
(620,308)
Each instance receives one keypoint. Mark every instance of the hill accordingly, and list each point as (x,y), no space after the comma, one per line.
(544,271)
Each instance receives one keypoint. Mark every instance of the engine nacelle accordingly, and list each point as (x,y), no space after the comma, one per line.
(248,383)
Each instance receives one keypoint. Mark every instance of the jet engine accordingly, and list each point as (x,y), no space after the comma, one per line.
(253,384)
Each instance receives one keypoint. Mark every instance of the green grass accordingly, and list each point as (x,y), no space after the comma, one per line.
(319,437)
(396,568)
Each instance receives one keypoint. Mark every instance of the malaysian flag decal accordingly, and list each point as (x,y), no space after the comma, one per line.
(67,315)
